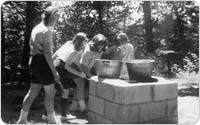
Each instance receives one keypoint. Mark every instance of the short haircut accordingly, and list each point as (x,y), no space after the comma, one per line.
(47,14)
(123,36)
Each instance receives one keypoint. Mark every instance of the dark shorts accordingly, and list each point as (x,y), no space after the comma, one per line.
(65,76)
(40,71)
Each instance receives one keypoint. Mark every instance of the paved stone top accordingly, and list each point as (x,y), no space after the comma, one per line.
(125,83)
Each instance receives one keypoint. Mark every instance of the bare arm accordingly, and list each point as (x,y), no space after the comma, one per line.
(72,70)
(86,70)
(71,59)
(54,56)
(48,54)
(84,63)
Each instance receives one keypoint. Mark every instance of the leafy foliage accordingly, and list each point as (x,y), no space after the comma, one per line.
(175,21)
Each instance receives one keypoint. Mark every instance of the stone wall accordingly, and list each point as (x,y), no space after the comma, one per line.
(114,101)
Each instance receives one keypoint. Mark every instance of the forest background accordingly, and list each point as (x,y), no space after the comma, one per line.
(145,22)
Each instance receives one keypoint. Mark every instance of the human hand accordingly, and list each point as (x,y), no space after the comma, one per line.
(57,77)
(83,75)
(89,75)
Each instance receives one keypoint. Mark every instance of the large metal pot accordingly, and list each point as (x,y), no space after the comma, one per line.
(140,69)
(108,68)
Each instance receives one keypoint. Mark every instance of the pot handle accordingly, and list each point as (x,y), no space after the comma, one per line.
(106,62)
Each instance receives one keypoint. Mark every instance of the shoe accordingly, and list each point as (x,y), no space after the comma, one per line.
(68,117)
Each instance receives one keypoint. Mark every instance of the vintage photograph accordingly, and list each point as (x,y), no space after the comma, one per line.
(100,62)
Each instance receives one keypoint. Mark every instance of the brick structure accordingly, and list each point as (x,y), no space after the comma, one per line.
(114,101)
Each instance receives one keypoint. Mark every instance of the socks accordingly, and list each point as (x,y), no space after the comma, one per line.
(64,104)
(51,118)
(82,104)
(22,117)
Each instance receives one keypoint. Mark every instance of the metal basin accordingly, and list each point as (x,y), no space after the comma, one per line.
(140,69)
(108,68)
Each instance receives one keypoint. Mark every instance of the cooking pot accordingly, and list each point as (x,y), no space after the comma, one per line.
(140,69)
(108,68)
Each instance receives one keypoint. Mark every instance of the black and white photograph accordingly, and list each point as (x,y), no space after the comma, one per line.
(100,62)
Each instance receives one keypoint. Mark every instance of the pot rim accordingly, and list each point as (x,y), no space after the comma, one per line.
(141,61)
(109,60)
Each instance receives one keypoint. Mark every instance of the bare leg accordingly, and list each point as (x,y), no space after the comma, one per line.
(49,102)
(27,102)
(80,92)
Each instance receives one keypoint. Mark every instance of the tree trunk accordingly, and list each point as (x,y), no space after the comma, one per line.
(2,41)
(29,26)
(148,26)
(98,7)
(26,48)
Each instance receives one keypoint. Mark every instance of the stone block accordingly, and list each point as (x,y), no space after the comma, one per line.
(129,114)
(105,91)
(102,120)
(112,111)
(165,91)
(152,110)
(92,87)
(121,114)
(91,117)
(96,105)
(166,120)
(172,108)
(138,94)
(119,96)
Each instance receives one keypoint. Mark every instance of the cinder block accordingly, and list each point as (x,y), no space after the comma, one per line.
(172,110)
(121,114)
(119,96)
(102,120)
(96,105)
(112,111)
(172,120)
(105,91)
(91,117)
(150,111)
(165,91)
(138,94)
(92,87)
(129,114)
(167,120)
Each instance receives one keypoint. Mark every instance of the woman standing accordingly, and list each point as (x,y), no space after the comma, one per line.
(43,73)
(127,53)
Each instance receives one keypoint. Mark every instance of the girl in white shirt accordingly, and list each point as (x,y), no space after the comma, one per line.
(66,61)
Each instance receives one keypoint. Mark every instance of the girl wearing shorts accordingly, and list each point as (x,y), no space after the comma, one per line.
(66,61)
(43,73)
(92,51)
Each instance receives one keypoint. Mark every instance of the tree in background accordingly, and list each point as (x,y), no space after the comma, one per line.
(17,35)
(177,22)
(148,26)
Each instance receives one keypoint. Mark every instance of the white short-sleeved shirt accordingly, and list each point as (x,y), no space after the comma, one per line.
(88,57)
(40,35)
(68,54)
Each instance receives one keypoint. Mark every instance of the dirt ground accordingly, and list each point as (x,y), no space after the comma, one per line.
(188,109)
